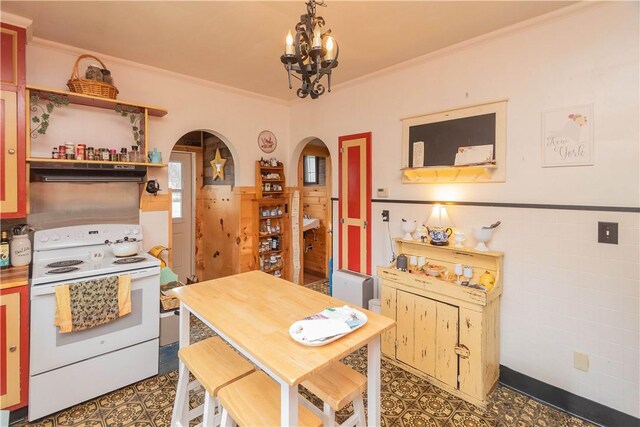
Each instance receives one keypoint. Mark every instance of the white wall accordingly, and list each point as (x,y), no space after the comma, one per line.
(564,292)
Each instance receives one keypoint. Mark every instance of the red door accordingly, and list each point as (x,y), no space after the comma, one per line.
(354,202)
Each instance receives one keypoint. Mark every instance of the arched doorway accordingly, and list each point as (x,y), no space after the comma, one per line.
(207,198)
(314,182)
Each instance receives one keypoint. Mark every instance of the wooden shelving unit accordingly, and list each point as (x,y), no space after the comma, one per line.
(271,220)
(269,180)
(95,102)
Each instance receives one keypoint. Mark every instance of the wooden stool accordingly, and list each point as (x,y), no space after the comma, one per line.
(336,386)
(255,401)
(214,364)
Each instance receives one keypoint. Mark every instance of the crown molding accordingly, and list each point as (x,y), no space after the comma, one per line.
(18,21)
(48,44)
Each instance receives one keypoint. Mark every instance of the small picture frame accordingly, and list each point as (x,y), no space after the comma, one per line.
(267,141)
(567,136)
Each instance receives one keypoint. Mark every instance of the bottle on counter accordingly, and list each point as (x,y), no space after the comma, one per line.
(5,260)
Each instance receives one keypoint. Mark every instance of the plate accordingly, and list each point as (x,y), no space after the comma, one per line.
(267,141)
(295,334)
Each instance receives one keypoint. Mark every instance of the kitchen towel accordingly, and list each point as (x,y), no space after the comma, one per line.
(87,304)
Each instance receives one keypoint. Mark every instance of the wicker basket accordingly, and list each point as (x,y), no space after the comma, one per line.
(168,303)
(90,87)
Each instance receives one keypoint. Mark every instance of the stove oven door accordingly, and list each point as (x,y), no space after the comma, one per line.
(51,350)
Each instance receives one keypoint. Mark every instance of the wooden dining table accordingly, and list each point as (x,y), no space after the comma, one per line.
(253,312)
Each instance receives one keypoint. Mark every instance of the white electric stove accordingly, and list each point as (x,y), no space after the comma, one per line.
(66,369)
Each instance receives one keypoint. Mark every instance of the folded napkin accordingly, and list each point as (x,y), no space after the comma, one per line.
(318,329)
(328,323)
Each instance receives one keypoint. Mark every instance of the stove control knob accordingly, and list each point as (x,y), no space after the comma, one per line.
(55,237)
(44,238)
(136,231)
(80,235)
(127,231)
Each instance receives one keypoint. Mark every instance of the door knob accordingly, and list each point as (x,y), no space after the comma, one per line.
(12,151)
(13,348)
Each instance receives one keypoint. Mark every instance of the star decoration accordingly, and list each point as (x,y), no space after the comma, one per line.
(218,165)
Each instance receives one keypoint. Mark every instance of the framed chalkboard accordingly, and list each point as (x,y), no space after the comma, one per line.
(469,136)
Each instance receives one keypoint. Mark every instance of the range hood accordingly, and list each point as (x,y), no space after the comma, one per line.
(86,172)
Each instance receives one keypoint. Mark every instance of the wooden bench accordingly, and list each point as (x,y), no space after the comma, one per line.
(255,401)
(214,365)
(336,386)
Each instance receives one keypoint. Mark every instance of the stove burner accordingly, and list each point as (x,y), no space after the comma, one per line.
(66,263)
(131,260)
(62,270)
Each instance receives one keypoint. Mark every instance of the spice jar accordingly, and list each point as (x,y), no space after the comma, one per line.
(70,150)
(81,152)
(62,151)
(54,153)
(90,153)
(105,154)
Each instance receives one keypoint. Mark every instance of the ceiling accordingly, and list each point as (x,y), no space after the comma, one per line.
(239,43)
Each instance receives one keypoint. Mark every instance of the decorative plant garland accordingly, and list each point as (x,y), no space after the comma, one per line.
(134,118)
(42,120)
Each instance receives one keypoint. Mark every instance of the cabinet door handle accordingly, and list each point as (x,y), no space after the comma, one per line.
(13,348)
(11,151)
(462,351)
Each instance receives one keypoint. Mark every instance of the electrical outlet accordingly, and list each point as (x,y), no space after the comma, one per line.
(385,216)
(383,192)
(608,232)
(581,361)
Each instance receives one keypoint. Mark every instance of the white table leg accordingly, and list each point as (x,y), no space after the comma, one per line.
(184,326)
(373,376)
(289,404)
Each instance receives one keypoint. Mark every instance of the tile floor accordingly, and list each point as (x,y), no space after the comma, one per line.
(407,401)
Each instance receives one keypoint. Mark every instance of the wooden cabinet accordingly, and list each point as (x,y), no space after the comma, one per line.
(12,122)
(270,181)
(447,333)
(14,338)
(141,111)
(272,220)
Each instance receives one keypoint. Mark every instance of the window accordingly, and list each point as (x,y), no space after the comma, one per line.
(175,184)
(310,170)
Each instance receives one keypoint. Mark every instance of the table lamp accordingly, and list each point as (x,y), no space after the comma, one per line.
(439,226)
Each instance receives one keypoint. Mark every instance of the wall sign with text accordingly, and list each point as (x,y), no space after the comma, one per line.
(567,136)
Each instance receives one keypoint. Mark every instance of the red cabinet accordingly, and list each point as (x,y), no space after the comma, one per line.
(12,122)
(14,338)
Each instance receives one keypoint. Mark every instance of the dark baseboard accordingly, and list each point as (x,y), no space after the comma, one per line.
(18,416)
(569,402)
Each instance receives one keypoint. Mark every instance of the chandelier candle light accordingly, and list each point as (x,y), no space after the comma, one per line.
(312,54)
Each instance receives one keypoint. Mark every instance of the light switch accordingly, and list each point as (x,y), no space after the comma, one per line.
(608,232)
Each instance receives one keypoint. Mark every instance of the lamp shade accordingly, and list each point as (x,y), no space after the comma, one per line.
(439,218)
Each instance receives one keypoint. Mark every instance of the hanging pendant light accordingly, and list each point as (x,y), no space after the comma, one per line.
(311,54)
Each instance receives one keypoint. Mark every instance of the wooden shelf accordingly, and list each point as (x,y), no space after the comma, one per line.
(269,235)
(450,247)
(271,217)
(93,101)
(94,162)
(473,173)
(273,252)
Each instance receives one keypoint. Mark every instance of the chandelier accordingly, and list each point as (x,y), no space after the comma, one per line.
(313,54)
